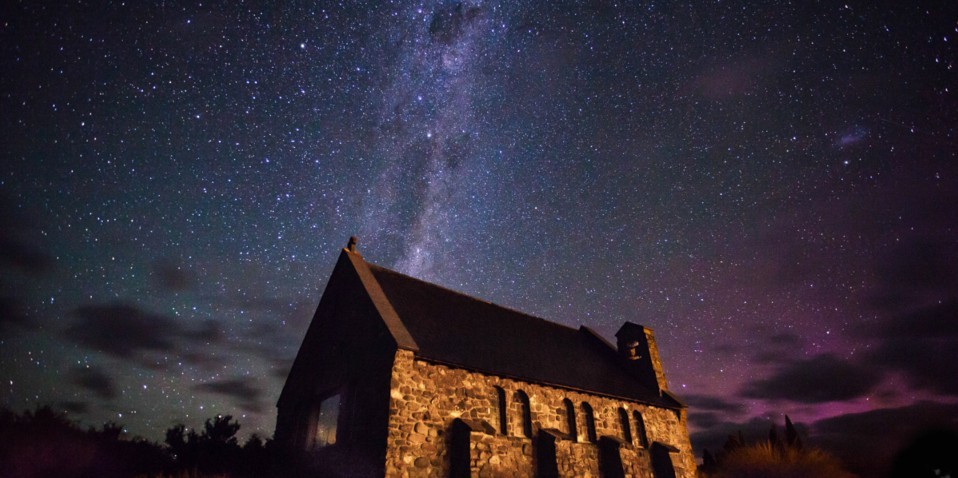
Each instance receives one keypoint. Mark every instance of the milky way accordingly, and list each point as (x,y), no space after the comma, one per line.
(768,185)
(429,135)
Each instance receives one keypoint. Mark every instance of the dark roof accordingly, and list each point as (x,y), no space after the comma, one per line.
(453,328)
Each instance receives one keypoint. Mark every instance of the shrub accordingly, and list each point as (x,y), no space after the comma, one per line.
(772,458)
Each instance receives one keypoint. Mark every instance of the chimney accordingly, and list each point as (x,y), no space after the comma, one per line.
(638,350)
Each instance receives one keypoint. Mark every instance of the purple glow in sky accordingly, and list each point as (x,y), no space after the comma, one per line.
(768,185)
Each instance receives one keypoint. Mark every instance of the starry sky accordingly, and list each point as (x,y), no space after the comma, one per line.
(771,186)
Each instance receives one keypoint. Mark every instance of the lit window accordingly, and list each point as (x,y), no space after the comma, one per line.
(326,419)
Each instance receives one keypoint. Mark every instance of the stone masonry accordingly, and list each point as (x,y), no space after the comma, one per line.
(426,399)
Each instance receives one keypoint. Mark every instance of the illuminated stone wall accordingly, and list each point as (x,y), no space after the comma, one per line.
(426,399)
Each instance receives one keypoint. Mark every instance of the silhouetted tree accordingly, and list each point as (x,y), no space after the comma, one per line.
(791,435)
(708,461)
(217,448)
(256,457)
(110,431)
(43,442)
(219,430)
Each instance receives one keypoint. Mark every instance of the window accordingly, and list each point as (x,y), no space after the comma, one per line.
(624,422)
(522,400)
(570,419)
(326,420)
(640,429)
(589,421)
(501,403)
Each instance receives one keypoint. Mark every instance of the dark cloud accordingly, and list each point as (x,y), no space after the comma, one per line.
(94,380)
(927,364)
(704,420)
(920,345)
(17,249)
(821,379)
(274,338)
(282,368)
(867,441)
(449,23)
(785,338)
(172,277)
(712,403)
(24,257)
(13,315)
(932,322)
(239,389)
(781,348)
(123,330)
(913,270)
(75,407)
(919,264)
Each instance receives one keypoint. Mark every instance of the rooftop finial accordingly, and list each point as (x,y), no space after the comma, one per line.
(351,245)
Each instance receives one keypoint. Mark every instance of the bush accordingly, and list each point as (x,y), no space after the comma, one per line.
(766,460)
(772,458)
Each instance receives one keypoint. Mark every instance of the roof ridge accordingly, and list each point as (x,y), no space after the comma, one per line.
(463,294)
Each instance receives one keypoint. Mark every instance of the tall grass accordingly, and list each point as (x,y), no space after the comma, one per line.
(768,460)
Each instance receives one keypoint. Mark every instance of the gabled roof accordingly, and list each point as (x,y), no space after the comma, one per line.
(449,327)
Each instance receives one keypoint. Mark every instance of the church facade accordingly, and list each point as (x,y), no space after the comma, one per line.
(400,377)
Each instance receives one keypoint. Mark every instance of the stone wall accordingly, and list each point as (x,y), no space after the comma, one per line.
(425,399)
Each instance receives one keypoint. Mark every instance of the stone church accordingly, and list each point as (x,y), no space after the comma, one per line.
(398,377)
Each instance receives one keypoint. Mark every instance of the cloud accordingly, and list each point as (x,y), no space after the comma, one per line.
(780,349)
(172,277)
(785,338)
(824,378)
(449,23)
(123,330)
(281,369)
(914,272)
(94,380)
(867,441)
(274,336)
(919,264)
(921,346)
(924,323)
(18,236)
(713,403)
(75,407)
(704,420)
(238,389)
(13,315)
(24,257)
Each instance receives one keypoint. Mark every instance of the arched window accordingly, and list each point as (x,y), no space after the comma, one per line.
(640,429)
(522,400)
(589,421)
(624,422)
(570,419)
(501,405)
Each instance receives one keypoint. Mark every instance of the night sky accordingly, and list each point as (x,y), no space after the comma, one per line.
(771,186)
